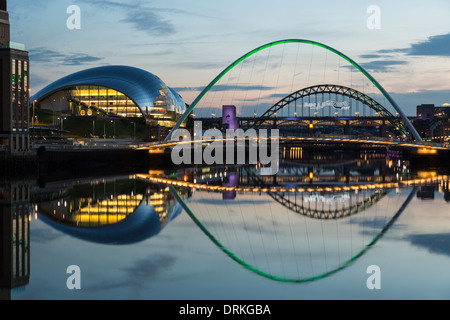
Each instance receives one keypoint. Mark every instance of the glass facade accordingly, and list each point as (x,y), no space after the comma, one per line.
(20,241)
(19,95)
(118,90)
(14,94)
(97,100)
(15,231)
(90,212)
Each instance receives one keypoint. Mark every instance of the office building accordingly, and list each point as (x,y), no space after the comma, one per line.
(14,90)
(425,112)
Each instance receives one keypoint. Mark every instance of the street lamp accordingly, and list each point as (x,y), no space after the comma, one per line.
(32,120)
(114,122)
(134,129)
(62,123)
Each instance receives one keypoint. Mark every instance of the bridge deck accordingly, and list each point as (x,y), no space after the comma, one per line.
(429,146)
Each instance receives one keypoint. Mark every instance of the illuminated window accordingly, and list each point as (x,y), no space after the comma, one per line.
(105,100)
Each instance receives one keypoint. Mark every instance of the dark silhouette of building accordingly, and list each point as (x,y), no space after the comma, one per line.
(14,93)
(4,25)
(442,132)
(425,111)
(159,133)
(426,192)
(14,237)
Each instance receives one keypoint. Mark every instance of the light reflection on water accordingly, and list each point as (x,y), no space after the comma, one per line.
(134,239)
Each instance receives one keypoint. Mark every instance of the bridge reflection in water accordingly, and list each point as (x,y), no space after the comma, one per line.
(307,222)
(317,216)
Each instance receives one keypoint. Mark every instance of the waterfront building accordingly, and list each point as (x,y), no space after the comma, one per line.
(442,111)
(425,112)
(116,91)
(14,90)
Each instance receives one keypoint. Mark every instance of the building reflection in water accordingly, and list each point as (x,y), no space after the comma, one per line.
(15,237)
(301,224)
(232,180)
(118,210)
(91,210)
(288,226)
(365,167)
(109,211)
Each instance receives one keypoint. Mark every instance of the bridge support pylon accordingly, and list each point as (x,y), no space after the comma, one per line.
(347,128)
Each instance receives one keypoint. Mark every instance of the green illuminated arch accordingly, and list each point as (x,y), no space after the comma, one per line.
(293,280)
(314,43)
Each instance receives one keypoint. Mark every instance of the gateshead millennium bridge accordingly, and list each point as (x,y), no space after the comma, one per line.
(309,91)
(323,118)
(324,114)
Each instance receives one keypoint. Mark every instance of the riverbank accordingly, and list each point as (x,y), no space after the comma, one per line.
(53,164)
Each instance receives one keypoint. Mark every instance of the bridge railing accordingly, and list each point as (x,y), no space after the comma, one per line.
(325,137)
(366,138)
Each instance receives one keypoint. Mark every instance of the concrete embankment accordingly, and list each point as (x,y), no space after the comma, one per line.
(57,163)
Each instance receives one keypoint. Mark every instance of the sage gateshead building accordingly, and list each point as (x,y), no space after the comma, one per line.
(113,91)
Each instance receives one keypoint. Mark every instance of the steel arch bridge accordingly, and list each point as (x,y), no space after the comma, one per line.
(287,279)
(408,124)
(322,213)
(331,89)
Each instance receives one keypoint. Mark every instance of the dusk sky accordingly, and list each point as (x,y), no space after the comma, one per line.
(187,43)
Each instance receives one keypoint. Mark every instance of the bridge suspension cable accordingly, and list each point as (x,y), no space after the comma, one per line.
(283,276)
(408,124)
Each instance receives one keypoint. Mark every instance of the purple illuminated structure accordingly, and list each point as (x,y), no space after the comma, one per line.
(229,120)
(232,182)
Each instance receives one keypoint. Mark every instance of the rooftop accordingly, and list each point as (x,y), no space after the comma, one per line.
(13,45)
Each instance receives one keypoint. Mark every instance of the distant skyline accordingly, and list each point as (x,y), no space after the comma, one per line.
(187,43)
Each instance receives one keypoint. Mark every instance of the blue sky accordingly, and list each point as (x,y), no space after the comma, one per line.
(187,43)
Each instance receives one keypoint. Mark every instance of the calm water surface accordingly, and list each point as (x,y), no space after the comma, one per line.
(296,237)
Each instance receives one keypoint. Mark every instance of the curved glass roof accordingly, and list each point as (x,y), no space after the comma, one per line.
(143,224)
(143,87)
